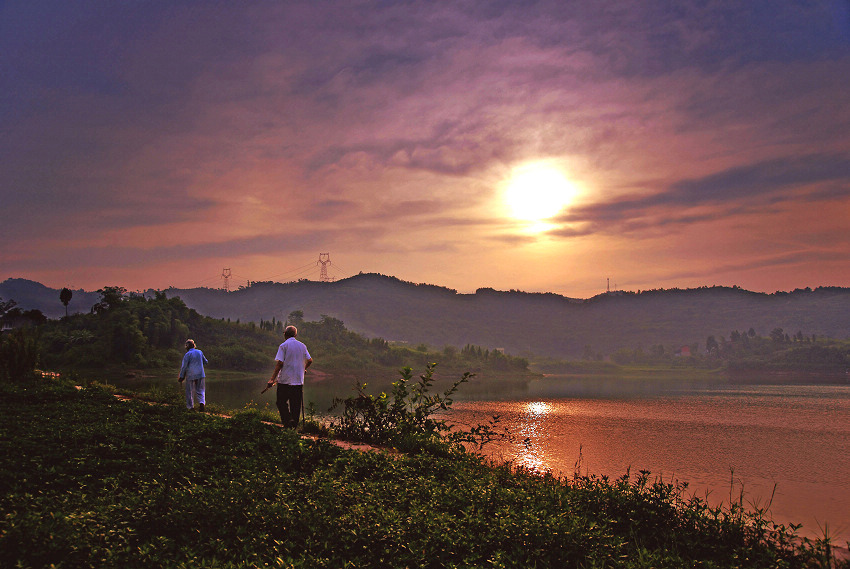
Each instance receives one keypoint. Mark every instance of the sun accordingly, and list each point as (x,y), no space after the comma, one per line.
(538,191)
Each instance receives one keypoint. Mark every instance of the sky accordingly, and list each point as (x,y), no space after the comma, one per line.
(562,147)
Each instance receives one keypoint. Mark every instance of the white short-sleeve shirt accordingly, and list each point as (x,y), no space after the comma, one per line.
(294,356)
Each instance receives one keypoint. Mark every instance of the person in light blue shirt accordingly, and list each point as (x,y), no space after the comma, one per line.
(192,371)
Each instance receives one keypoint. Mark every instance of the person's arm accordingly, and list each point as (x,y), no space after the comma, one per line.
(308,363)
(182,369)
(278,365)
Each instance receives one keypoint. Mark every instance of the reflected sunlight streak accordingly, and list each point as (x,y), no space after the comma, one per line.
(538,408)
(533,428)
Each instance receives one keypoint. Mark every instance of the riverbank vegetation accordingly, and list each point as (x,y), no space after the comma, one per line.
(148,331)
(92,481)
(741,352)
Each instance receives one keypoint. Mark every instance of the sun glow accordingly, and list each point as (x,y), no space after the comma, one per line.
(538,191)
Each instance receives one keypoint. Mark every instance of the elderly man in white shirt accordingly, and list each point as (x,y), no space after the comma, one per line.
(291,361)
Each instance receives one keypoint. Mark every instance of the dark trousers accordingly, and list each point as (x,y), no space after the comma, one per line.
(289,399)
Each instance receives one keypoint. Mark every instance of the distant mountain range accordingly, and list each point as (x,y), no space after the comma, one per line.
(521,323)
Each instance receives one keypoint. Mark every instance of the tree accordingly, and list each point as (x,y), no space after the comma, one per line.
(711,345)
(65,297)
(5,307)
(296,318)
(121,331)
(110,297)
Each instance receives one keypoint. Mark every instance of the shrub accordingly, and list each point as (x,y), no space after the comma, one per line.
(405,418)
(18,354)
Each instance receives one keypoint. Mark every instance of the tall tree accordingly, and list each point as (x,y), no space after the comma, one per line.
(5,308)
(65,296)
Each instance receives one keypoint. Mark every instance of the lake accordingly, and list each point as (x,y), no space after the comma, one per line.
(789,441)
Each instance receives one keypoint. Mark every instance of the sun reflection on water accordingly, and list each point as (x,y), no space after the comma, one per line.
(532,427)
(538,408)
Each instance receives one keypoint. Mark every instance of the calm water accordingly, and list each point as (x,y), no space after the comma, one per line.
(721,439)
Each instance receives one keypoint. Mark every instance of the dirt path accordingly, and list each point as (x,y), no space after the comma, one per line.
(340,443)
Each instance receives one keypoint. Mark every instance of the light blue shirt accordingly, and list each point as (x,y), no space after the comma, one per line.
(193,365)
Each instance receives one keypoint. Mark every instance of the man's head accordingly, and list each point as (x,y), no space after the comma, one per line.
(290,332)
(190,344)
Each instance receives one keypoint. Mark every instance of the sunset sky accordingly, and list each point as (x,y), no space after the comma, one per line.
(539,146)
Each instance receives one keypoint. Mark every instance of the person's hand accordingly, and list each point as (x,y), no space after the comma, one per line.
(180,380)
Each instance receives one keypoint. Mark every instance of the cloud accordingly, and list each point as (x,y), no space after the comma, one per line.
(333,209)
(754,180)
(741,190)
(389,127)
(787,261)
(137,256)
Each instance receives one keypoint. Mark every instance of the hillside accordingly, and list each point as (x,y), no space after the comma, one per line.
(33,295)
(521,323)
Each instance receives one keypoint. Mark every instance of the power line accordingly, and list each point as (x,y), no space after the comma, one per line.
(298,270)
(340,271)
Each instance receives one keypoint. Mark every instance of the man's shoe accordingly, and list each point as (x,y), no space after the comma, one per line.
(201,407)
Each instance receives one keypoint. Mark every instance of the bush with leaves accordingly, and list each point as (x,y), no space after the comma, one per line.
(406,417)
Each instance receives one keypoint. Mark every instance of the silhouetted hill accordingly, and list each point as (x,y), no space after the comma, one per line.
(33,295)
(523,323)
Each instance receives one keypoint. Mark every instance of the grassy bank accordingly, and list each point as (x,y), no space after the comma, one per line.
(96,482)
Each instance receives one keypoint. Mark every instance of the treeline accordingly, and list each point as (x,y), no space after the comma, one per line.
(149,330)
(142,331)
(779,351)
(12,316)
(344,350)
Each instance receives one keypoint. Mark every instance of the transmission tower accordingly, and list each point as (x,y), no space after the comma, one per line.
(225,274)
(324,261)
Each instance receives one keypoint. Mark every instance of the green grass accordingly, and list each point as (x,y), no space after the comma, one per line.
(90,481)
